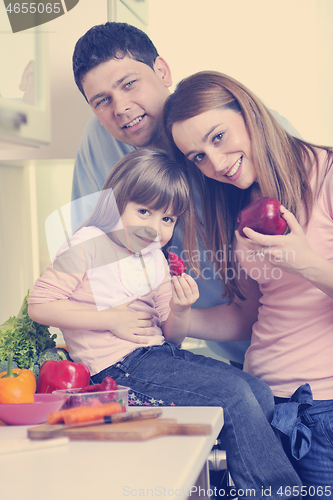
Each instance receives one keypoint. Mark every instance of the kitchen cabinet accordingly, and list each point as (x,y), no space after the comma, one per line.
(24,86)
(29,192)
(18,252)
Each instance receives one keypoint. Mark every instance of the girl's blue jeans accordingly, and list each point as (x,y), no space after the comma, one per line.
(306,430)
(168,375)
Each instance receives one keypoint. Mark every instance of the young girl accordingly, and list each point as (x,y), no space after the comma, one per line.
(243,154)
(111,290)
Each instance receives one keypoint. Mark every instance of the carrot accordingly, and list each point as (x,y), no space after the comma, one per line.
(56,417)
(91,413)
(84,413)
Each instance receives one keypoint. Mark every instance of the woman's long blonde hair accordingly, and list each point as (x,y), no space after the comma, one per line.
(282,161)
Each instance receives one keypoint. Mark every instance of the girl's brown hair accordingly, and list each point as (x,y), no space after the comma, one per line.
(282,162)
(151,178)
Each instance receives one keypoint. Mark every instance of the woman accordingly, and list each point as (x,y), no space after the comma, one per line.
(243,153)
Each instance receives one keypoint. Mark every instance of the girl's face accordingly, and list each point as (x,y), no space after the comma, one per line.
(143,226)
(218,143)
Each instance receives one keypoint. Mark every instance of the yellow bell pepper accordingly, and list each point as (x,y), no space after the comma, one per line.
(17,386)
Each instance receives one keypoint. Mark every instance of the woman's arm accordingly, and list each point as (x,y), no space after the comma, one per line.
(121,320)
(228,322)
(184,293)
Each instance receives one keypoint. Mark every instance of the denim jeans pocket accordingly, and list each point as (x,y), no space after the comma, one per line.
(132,360)
(326,425)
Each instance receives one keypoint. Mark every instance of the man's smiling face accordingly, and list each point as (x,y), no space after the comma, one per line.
(127,97)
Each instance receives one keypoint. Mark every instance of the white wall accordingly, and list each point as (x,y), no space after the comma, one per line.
(282,50)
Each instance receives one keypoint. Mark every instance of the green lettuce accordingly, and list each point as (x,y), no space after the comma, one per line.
(24,337)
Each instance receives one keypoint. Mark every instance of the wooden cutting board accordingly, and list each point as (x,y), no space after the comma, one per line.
(136,430)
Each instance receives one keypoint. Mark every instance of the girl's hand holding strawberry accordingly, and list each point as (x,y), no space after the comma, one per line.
(184,293)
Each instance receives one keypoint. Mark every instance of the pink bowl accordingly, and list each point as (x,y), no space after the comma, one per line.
(31,413)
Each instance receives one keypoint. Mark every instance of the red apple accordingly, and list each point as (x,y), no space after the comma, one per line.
(263,216)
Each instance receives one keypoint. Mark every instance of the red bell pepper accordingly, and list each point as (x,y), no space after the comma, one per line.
(55,375)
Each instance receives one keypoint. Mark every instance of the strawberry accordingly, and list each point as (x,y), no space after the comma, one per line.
(109,384)
(176,264)
(91,388)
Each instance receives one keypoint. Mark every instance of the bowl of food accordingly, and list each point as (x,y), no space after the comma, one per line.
(31,413)
(95,395)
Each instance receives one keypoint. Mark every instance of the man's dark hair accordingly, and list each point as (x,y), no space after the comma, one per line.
(111,41)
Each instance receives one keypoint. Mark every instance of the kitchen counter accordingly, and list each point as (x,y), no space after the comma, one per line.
(163,467)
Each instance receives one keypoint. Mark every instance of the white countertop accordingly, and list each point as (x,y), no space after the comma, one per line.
(163,467)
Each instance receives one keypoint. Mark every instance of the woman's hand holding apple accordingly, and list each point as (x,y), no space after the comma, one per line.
(290,252)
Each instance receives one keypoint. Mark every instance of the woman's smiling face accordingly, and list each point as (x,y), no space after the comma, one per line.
(218,143)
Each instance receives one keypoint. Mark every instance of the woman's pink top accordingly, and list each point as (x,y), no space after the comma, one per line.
(292,341)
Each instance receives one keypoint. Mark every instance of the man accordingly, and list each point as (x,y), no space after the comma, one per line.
(125,81)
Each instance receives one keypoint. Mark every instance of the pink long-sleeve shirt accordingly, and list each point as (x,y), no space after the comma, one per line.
(91,275)
(292,341)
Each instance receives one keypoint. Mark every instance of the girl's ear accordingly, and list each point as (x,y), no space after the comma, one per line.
(163,71)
